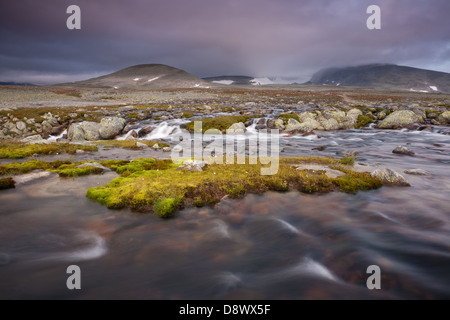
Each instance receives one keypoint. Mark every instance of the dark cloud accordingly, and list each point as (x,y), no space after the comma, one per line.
(209,37)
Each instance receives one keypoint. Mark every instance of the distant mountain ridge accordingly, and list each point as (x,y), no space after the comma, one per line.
(145,76)
(385,76)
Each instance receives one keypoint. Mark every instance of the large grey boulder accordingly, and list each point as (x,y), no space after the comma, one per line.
(390,177)
(444,118)
(400,119)
(237,128)
(85,130)
(293,125)
(36,139)
(111,127)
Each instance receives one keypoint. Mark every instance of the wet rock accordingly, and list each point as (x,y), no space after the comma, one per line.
(248,123)
(261,127)
(111,127)
(425,128)
(145,131)
(417,172)
(79,151)
(85,130)
(294,125)
(21,125)
(390,177)
(261,122)
(192,165)
(33,176)
(133,134)
(237,128)
(331,173)
(400,119)
(403,150)
(94,165)
(167,149)
(36,139)
(156,146)
(330,125)
(141,145)
(56,130)
(444,118)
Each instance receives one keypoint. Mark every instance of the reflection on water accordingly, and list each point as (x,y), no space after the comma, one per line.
(275,246)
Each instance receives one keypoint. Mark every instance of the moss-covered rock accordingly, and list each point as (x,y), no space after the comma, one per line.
(444,118)
(400,119)
(7,183)
(218,123)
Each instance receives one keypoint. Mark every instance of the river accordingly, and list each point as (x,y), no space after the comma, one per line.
(271,246)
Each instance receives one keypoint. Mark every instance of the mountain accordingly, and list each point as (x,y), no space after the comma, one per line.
(15,84)
(239,80)
(146,76)
(385,76)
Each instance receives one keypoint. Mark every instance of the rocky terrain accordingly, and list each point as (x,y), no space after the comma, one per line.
(93,114)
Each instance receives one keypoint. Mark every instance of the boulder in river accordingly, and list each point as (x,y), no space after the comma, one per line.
(145,131)
(86,130)
(237,128)
(417,172)
(390,177)
(444,118)
(400,119)
(403,150)
(36,139)
(111,127)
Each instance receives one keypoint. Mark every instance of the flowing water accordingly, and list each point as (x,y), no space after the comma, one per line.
(271,246)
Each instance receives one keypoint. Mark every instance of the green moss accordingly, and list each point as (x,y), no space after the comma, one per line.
(348,159)
(143,164)
(220,123)
(25,167)
(363,121)
(77,172)
(7,183)
(186,115)
(9,150)
(352,182)
(287,116)
(164,208)
(427,112)
(145,189)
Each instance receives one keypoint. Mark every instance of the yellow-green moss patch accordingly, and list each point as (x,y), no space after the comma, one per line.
(166,189)
(220,123)
(17,150)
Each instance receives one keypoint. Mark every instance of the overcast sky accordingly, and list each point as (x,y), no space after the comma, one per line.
(289,38)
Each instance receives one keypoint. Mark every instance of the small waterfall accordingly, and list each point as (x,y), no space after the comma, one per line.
(55,138)
(164,130)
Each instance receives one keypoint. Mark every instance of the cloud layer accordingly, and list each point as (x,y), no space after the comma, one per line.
(289,38)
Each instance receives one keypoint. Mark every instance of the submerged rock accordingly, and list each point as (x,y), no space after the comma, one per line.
(417,172)
(94,165)
(400,119)
(141,145)
(390,177)
(403,150)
